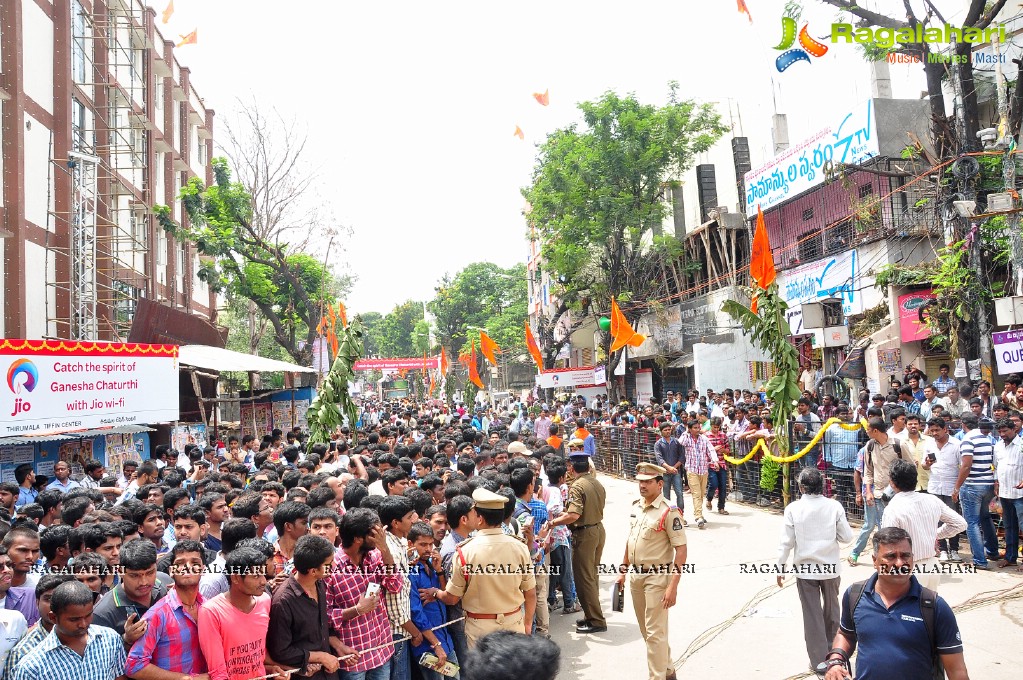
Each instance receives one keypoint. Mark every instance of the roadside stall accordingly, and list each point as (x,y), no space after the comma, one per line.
(260,413)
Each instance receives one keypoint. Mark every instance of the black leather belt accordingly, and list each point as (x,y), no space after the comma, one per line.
(580,528)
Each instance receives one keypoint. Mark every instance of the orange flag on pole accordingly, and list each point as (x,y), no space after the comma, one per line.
(474,374)
(622,331)
(444,365)
(743,9)
(761,263)
(168,12)
(190,39)
(543,99)
(488,347)
(534,349)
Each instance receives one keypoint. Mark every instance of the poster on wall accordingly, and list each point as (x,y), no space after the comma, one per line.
(55,386)
(262,414)
(282,415)
(889,361)
(76,454)
(913,312)
(188,433)
(1008,351)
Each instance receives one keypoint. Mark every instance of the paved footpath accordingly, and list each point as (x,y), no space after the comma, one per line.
(768,644)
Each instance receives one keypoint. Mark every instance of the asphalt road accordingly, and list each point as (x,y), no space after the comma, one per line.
(768,643)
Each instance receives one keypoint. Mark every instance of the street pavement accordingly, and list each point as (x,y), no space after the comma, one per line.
(768,644)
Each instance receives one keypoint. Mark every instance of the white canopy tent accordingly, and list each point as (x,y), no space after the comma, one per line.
(217,359)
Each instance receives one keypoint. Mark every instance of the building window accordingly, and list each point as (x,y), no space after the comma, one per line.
(78,126)
(140,228)
(126,301)
(866,190)
(807,214)
(79,43)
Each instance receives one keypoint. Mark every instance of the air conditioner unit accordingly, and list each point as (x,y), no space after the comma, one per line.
(1001,202)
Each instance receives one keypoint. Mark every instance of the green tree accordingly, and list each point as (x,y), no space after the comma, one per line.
(371,332)
(596,196)
(482,295)
(397,330)
(287,287)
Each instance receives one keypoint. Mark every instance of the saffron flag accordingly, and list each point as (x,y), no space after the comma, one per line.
(429,392)
(622,331)
(519,133)
(542,99)
(168,12)
(474,374)
(425,370)
(488,347)
(761,263)
(444,365)
(190,39)
(534,349)
(342,314)
(743,9)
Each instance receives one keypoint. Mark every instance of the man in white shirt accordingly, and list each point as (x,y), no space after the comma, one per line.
(925,518)
(1009,487)
(942,459)
(931,399)
(898,428)
(814,526)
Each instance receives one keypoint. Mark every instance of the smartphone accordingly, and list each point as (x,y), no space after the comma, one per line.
(372,589)
(429,660)
(931,457)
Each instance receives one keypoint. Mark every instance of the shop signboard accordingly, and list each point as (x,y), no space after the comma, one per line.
(849,138)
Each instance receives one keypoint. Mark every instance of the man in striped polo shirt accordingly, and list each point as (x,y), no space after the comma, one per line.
(974,490)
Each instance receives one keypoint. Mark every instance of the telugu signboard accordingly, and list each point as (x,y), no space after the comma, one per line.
(56,386)
(832,277)
(850,138)
(1008,351)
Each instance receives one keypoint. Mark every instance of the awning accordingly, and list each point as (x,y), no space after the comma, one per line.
(78,434)
(684,361)
(217,359)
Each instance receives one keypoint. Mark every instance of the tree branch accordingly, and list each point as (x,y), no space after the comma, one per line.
(990,15)
(866,15)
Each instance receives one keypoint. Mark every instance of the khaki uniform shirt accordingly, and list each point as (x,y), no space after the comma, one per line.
(586,498)
(499,592)
(651,543)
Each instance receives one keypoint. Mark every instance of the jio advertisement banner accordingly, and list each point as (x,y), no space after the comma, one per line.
(59,385)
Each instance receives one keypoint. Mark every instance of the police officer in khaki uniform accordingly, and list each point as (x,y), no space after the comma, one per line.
(654,555)
(492,575)
(584,516)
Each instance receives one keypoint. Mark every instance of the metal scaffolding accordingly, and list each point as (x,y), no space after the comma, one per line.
(109,212)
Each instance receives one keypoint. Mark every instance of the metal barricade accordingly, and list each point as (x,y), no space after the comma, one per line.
(620,449)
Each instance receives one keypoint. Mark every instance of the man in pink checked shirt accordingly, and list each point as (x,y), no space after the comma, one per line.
(700,458)
(363,567)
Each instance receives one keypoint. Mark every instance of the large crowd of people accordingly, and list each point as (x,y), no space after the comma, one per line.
(425,541)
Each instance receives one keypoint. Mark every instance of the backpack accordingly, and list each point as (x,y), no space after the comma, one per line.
(928,599)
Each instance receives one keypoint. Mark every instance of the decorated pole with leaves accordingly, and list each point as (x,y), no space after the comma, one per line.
(333,403)
(767,326)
